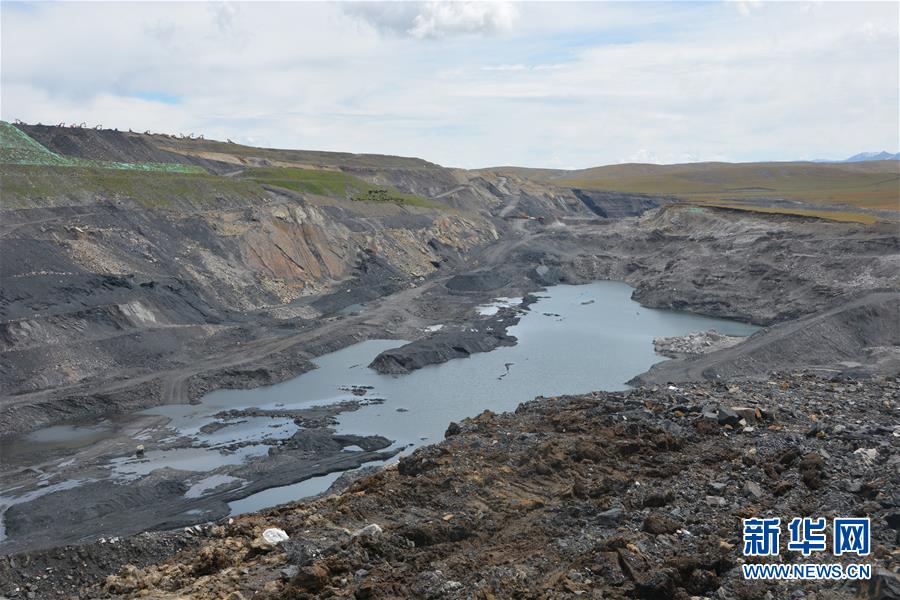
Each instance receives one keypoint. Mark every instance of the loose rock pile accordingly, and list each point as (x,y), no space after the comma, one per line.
(694,343)
(605,495)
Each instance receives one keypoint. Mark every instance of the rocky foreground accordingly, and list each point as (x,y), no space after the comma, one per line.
(606,495)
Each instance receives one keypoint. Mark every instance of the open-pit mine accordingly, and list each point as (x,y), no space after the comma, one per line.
(430,382)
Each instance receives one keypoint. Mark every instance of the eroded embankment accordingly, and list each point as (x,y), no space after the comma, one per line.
(858,337)
(624,495)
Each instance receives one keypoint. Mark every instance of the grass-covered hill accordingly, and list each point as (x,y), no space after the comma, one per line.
(74,163)
(874,184)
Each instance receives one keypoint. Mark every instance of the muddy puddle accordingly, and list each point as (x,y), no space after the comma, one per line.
(574,339)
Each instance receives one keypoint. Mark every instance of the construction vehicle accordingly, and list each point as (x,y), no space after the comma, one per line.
(524,217)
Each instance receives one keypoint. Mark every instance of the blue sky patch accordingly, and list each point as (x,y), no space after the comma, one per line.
(157,97)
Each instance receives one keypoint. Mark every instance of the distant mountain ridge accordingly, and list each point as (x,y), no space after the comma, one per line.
(872,156)
(863,157)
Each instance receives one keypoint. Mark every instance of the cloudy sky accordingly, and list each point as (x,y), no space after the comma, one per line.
(465,84)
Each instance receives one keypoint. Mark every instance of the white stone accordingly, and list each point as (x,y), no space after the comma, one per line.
(274,535)
(371,530)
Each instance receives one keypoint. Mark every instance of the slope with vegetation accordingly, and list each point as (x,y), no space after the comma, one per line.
(334,183)
(863,185)
(29,168)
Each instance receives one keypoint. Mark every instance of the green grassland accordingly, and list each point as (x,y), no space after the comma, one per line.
(26,185)
(844,216)
(31,173)
(332,183)
(873,184)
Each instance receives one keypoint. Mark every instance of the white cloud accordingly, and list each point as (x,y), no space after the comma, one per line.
(747,7)
(521,67)
(440,19)
(224,14)
(516,67)
(435,20)
(569,84)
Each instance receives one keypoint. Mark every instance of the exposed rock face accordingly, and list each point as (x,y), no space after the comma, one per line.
(616,205)
(206,272)
(438,349)
(757,268)
(477,281)
(859,337)
(76,286)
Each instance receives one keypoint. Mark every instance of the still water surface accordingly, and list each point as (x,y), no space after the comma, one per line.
(575,339)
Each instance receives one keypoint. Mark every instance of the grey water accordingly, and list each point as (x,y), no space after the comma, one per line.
(574,339)
(280,495)
(288,493)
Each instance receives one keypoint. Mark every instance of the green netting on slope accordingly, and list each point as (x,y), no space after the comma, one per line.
(18,148)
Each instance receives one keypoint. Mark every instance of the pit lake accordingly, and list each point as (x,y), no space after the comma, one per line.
(574,339)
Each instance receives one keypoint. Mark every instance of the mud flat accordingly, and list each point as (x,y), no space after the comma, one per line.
(86,488)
